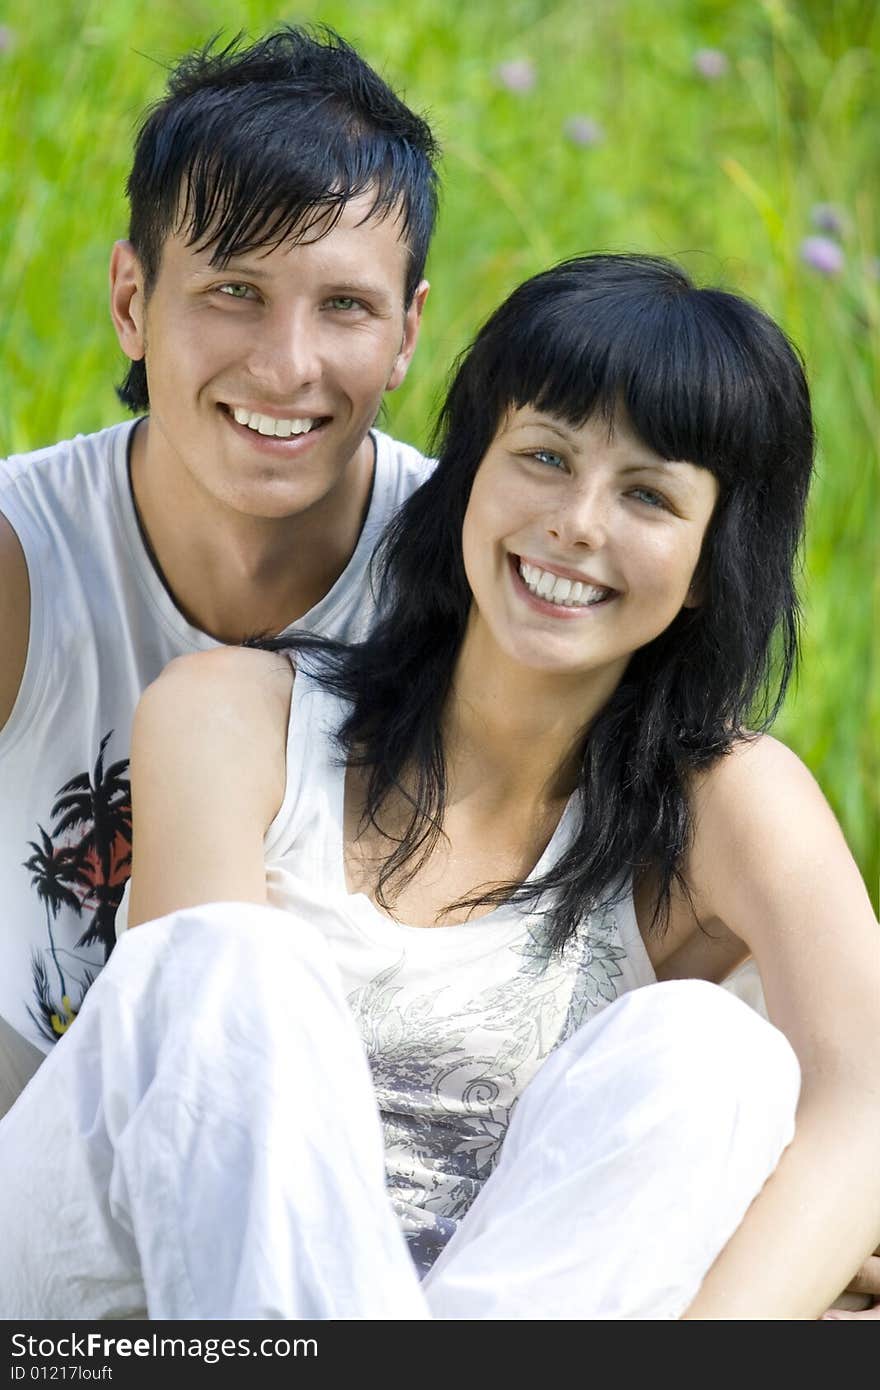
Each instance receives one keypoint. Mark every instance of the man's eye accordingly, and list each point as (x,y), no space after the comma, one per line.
(650,497)
(549,457)
(344,302)
(235,291)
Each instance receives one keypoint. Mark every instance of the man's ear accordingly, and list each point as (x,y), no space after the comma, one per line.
(127,300)
(411,325)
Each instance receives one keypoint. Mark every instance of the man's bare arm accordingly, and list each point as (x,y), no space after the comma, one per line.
(15,605)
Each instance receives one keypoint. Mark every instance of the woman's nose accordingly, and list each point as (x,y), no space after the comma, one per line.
(580,519)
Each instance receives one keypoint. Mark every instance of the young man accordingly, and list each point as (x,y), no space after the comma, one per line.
(282,202)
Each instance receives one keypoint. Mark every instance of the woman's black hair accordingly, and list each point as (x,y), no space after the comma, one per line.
(252,146)
(702,375)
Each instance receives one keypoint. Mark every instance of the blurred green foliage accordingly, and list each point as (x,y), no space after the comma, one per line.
(721,172)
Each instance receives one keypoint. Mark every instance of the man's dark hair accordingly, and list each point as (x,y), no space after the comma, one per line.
(700,375)
(252,146)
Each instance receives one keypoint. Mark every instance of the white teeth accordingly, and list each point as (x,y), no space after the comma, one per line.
(268,425)
(545,584)
(556,589)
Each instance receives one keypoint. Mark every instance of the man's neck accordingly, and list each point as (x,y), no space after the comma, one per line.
(235,576)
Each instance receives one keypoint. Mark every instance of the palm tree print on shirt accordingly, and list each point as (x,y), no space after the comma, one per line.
(50,875)
(81,868)
(100,804)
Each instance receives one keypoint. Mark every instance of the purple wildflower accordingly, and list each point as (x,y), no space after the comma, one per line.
(822,254)
(7,38)
(711,63)
(583,130)
(830,218)
(517,76)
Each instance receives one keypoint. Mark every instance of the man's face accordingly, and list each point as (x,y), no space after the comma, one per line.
(265,376)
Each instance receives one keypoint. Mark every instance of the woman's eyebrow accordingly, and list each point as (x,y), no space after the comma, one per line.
(540,422)
(639,465)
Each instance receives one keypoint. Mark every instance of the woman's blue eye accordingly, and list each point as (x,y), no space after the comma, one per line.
(648,496)
(548,456)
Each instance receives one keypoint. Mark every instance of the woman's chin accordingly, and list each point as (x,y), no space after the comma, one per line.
(547,659)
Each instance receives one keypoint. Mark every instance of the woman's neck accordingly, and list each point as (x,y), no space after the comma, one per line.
(515,732)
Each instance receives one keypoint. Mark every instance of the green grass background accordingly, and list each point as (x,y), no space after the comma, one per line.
(720,174)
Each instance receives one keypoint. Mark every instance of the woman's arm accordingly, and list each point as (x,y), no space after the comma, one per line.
(770,862)
(207,778)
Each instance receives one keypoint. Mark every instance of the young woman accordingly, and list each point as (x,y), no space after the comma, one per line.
(537,787)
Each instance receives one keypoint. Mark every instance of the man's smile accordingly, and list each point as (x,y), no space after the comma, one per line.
(278,433)
(282,428)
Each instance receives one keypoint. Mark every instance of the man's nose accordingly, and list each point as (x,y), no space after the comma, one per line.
(286,353)
(581,517)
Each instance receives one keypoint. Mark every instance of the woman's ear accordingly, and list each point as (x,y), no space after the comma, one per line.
(696,593)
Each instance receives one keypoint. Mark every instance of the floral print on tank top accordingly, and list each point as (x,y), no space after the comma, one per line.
(446,1108)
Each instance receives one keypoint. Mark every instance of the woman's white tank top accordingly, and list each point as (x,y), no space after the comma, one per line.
(455,1020)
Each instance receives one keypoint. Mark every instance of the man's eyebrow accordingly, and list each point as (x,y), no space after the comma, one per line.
(357,288)
(237,265)
(229,272)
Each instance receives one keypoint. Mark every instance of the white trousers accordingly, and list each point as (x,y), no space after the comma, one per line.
(19,1060)
(205,1143)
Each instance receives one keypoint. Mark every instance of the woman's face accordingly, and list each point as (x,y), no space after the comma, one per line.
(580,545)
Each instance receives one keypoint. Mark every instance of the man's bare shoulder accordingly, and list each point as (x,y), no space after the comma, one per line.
(14,617)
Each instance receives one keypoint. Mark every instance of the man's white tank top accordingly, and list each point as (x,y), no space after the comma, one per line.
(103,626)
(455,1020)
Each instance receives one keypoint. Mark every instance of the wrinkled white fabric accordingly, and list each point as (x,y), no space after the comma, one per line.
(19,1060)
(204,1143)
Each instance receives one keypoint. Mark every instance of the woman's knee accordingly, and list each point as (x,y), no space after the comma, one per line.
(208,977)
(245,940)
(684,1048)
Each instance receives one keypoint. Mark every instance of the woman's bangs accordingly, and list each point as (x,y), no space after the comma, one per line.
(560,367)
(654,361)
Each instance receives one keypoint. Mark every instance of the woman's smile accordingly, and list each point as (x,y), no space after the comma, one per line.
(555,592)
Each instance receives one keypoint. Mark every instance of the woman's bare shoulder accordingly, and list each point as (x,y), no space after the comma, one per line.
(754,751)
(226,666)
(767,847)
(756,777)
(227,682)
(208,769)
